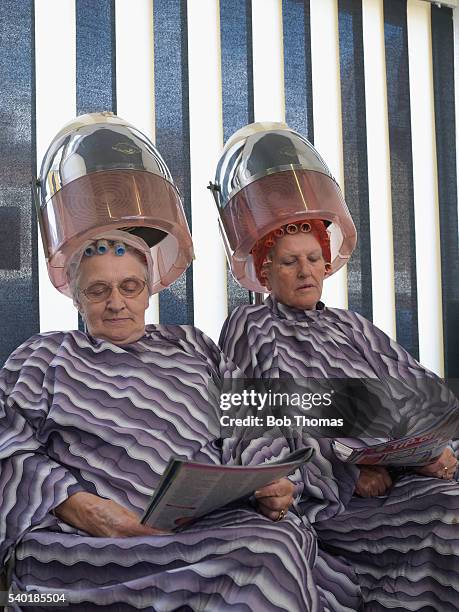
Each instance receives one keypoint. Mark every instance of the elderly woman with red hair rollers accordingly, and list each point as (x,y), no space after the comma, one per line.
(286,228)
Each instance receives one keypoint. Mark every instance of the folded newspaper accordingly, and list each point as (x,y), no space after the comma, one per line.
(411,450)
(188,490)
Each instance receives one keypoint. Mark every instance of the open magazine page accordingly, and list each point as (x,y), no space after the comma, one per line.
(408,451)
(189,490)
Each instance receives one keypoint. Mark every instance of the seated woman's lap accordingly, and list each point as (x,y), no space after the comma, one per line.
(413,504)
(404,546)
(228,557)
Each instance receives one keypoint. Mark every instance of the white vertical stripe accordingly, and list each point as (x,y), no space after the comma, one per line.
(135,77)
(425,185)
(379,177)
(55,57)
(326,90)
(206,141)
(268,60)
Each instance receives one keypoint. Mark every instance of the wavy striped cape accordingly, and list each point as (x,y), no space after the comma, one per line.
(81,414)
(404,546)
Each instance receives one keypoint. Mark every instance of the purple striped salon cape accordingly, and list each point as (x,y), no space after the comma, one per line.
(404,546)
(81,414)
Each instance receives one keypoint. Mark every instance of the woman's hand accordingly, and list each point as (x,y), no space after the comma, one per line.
(102,517)
(373,480)
(275,499)
(443,467)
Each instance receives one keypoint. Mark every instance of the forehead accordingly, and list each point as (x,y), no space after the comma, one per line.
(299,243)
(109,268)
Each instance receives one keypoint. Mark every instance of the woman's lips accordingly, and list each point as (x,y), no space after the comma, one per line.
(115,321)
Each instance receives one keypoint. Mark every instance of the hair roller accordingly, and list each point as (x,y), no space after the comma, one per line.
(305,227)
(90,250)
(279,232)
(291,228)
(102,247)
(119,248)
(269,243)
(264,272)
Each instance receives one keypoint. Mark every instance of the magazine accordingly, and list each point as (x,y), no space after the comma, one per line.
(411,450)
(188,490)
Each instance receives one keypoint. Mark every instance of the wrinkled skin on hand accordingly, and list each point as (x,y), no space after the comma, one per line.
(373,480)
(275,497)
(443,467)
(102,517)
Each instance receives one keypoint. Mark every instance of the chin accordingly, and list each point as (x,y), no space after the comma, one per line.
(309,304)
(119,336)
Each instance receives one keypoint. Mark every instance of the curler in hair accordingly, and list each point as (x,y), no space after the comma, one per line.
(291,228)
(305,227)
(279,232)
(119,248)
(102,247)
(269,243)
(90,250)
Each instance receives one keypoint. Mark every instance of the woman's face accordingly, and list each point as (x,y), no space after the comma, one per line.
(117,318)
(295,276)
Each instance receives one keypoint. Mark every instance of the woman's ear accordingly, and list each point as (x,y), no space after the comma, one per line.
(266,280)
(78,306)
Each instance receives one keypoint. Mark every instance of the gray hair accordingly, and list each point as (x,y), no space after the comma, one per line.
(74,269)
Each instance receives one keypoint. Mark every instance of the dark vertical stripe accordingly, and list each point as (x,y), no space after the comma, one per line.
(95,56)
(237,64)
(173,132)
(18,255)
(445,125)
(237,91)
(355,152)
(401,166)
(95,60)
(296,20)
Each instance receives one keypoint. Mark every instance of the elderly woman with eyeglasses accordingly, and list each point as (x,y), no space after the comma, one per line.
(89,420)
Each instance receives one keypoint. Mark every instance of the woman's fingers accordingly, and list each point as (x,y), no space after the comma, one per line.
(276,503)
(274,515)
(278,488)
(132,529)
(102,517)
(387,480)
(275,510)
(373,481)
(275,499)
(443,467)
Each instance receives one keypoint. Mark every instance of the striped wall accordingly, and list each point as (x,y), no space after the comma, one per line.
(373,83)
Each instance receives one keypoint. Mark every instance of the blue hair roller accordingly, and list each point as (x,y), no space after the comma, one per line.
(90,250)
(119,248)
(102,247)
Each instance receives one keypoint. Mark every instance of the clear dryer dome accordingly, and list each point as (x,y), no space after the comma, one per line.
(267,176)
(101,174)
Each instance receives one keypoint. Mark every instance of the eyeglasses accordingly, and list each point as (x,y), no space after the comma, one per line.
(129,288)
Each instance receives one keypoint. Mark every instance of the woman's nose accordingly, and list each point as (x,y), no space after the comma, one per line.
(304,268)
(115,300)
